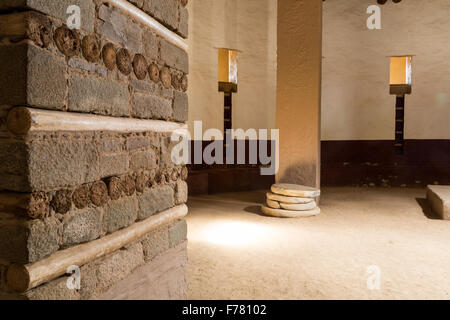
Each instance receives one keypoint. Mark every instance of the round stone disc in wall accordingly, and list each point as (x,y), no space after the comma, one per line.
(293,190)
(284,199)
(281,213)
(273,204)
(299,206)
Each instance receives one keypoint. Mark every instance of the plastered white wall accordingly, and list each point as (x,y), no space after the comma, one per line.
(249,26)
(356,104)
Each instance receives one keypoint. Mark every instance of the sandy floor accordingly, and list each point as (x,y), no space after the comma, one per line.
(236,253)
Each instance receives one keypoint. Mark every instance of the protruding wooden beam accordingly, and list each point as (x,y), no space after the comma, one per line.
(23,278)
(22,120)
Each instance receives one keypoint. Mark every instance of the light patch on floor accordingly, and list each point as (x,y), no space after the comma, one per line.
(236,253)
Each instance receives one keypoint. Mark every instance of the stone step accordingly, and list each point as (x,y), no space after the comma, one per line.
(439,198)
(293,190)
(291,200)
(281,213)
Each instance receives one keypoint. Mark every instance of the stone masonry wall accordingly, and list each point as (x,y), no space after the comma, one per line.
(75,187)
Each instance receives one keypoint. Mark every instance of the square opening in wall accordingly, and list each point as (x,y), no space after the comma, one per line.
(400,75)
(227,66)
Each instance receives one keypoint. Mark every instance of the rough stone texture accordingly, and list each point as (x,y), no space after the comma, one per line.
(180,107)
(181,195)
(177,233)
(101,96)
(113,164)
(143,160)
(137,143)
(84,65)
(150,45)
(62,163)
(116,27)
(119,214)
(118,266)
(109,145)
(32,76)
(54,290)
(166,152)
(174,57)
(57,9)
(82,227)
(155,243)
(155,200)
(439,198)
(46,85)
(183,26)
(145,86)
(137,3)
(13,159)
(166,11)
(26,242)
(151,107)
(164,278)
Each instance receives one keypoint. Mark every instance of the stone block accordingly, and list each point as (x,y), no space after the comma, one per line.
(164,278)
(95,95)
(46,79)
(151,107)
(118,266)
(135,143)
(183,24)
(180,107)
(143,86)
(53,290)
(155,243)
(177,233)
(150,45)
(109,145)
(32,76)
(155,200)
(137,3)
(174,56)
(83,226)
(439,199)
(57,9)
(84,65)
(24,242)
(14,168)
(118,28)
(119,214)
(143,160)
(166,152)
(166,11)
(61,163)
(113,164)
(181,195)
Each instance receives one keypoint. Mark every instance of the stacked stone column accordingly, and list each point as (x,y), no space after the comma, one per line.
(62,185)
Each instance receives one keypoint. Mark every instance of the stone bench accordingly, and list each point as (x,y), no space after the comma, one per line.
(439,198)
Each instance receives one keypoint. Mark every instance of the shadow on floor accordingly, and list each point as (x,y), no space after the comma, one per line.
(255,210)
(428,212)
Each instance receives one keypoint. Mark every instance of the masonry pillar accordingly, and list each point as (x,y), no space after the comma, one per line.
(299,90)
(91,204)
